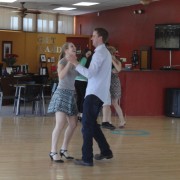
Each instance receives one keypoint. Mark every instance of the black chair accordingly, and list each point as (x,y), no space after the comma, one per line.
(49,90)
(32,93)
(1,98)
(4,95)
(40,79)
(19,85)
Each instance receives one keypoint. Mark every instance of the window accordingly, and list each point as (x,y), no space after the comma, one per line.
(9,20)
(14,23)
(65,24)
(44,22)
(29,23)
(51,26)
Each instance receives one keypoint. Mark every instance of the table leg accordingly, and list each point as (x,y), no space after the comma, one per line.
(18,101)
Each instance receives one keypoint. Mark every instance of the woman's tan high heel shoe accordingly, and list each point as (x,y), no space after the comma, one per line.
(122,124)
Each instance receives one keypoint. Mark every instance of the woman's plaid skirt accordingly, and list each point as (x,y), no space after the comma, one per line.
(63,100)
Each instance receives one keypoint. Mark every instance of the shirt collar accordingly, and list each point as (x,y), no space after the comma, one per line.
(100,46)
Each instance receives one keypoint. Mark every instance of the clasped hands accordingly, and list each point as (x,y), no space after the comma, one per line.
(72,59)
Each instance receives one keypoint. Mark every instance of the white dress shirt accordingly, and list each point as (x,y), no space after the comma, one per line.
(98,74)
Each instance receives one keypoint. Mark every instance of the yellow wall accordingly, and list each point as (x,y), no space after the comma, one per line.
(28,46)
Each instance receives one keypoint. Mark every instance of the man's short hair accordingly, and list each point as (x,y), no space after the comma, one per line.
(102,32)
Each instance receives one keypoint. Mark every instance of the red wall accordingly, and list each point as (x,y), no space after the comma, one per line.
(143,92)
(130,31)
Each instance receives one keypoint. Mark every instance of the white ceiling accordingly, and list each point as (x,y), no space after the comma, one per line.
(49,5)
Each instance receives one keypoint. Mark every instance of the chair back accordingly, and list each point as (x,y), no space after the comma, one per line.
(7,90)
(32,92)
(25,82)
(40,79)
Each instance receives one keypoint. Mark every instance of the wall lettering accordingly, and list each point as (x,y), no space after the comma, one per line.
(47,45)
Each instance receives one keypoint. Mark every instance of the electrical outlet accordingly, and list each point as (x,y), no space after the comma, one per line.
(123,59)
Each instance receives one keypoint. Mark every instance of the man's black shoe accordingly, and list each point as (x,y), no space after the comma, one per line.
(107,125)
(101,156)
(82,163)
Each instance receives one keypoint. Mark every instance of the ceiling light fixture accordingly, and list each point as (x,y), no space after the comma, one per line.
(64,8)
(7,1)
(85,4)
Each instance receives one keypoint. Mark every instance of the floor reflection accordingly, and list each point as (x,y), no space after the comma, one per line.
(175,129)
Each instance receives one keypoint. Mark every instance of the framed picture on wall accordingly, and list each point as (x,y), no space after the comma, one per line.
(52,59)
(6,48)
(42,57)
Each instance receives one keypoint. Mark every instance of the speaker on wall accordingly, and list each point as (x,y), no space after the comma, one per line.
(145,57)
(172,102)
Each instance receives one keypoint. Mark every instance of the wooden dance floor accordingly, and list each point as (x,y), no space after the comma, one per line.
(147,149)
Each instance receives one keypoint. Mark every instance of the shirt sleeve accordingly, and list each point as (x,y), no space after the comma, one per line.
(83,61)
(63,62)
(96,62)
